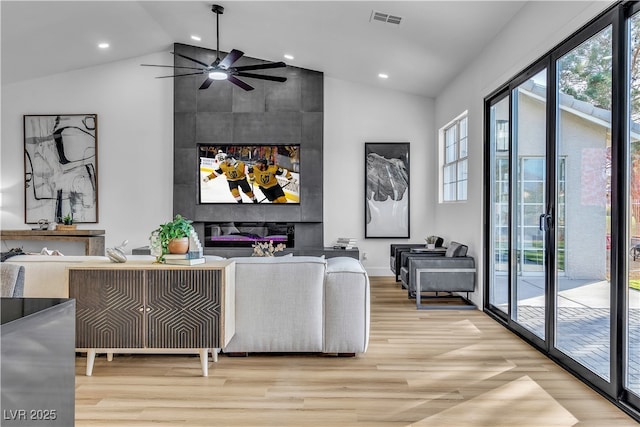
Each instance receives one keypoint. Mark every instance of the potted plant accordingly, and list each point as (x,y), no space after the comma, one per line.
(173,236)
(67,223)
(431,242)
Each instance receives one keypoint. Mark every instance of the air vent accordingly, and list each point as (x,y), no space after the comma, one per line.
(385,17)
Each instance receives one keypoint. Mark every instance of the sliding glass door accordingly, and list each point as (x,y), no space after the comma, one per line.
(562,162)
(632,286)
(529,100)
(583,138)
(499,146)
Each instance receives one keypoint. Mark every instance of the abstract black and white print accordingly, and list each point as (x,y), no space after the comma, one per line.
(61,167)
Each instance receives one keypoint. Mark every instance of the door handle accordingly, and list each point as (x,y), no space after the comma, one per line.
(544,222)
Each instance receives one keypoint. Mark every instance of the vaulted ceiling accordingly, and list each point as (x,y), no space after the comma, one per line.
(434,41)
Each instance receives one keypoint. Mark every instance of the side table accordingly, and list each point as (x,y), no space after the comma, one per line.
(395,252)
(93,240)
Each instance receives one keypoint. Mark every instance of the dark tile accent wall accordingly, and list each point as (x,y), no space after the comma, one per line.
(278,113)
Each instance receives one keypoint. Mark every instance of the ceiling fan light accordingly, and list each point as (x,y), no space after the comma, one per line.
(218,75)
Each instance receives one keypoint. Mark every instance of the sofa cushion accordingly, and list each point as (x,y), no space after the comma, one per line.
(344,264)
(279,304)
(456,249)
(45,276)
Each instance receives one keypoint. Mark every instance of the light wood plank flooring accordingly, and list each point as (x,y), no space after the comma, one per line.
(423,368)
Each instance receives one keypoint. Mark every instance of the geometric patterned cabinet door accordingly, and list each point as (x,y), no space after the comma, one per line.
(183,308)
(140,307)
(109,308)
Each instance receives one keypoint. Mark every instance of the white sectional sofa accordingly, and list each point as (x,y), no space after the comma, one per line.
(283,304)
(301,304)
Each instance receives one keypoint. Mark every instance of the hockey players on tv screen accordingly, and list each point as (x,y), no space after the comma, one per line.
(249,173)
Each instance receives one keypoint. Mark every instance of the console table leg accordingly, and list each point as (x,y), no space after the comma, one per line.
(214,354)
(204,361)
(109,357)
(91,357)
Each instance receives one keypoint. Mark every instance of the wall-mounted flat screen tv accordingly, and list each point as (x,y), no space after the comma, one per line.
(260,174)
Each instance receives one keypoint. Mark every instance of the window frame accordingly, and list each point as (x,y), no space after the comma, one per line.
(453,186)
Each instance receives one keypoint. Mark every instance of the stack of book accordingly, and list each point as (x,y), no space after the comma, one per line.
(193,257)
(189,258)
(345,243)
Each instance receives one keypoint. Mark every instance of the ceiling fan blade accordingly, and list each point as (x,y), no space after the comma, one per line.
(205,84)
(169,66)
(239,83)
(191,59)
(231,57)
(261,77)
(179,75)
(261,66)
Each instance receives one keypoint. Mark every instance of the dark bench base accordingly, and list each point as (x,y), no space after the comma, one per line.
(467,304)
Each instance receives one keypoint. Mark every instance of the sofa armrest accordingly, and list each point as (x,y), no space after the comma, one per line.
(346,306)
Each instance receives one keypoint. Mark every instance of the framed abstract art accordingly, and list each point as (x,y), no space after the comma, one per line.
(386,190)
(61,167)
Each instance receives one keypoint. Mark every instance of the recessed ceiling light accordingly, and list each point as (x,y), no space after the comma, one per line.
(383,76)
(196,38)
(103,45)
(288,56)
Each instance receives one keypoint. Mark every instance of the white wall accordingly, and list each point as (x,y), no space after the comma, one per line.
(135,145)
(355,114)
(135,160)
(537,28)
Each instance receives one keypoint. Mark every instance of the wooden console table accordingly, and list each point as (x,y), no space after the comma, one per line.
(93,239)
(141,307)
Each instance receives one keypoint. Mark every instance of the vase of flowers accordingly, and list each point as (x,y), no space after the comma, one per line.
(266,248)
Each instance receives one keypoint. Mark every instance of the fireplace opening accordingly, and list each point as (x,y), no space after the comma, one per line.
(246,234)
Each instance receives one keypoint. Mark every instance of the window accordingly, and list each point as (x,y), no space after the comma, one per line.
(455,160)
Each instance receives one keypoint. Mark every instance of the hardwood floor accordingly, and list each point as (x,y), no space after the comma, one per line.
(422,368)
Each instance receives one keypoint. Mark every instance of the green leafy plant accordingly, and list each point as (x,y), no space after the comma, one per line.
(176,229)
(67,219)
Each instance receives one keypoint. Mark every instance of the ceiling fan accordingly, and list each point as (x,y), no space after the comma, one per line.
(222,69)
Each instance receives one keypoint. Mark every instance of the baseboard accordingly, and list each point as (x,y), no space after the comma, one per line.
(379,271)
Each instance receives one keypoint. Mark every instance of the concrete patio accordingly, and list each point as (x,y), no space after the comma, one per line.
(583,325)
